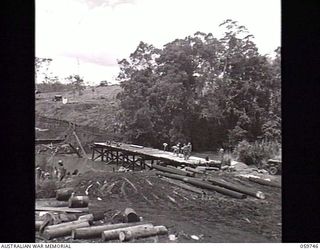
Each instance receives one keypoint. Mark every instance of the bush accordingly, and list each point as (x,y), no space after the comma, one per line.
(257,153)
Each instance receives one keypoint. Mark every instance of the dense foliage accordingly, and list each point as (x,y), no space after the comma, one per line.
(212,92)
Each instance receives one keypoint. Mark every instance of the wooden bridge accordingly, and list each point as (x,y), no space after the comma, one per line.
(134,156)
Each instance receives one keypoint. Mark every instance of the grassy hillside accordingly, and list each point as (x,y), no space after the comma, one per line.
(94,109)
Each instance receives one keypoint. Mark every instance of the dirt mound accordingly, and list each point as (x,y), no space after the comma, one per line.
(213,218)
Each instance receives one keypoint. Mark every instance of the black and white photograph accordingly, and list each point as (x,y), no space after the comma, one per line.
(158,121)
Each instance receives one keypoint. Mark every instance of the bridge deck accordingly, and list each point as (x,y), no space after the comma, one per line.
(152,153)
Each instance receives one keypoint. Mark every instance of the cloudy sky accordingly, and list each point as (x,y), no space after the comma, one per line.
(87,37)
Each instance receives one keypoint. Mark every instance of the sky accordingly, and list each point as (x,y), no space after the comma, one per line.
(88,37)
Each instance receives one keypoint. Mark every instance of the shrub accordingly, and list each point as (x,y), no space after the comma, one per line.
(257,153)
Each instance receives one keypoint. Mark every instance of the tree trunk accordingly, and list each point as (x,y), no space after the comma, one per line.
(172,170)
(130,215)
(221,190)
(265,182)
(135,233)
(114,234)
(63,209)
(63,229)
(244,190)
(78,201)
(197,171)
(185,186)
(64,194)
(95,231)
(172,176)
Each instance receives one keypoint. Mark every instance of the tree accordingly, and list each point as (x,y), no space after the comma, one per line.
(202,89)
(42,68)
(77,83)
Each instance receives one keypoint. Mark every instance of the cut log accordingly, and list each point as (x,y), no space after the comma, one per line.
(172,176)
(62,229)
(204,168)
(130,215)
(51,203)
(185,186)
(202,184)
(172,170)
(38,224)
(87,217)
(64,194)
(78,201)
(95,231)
(264,182)
(63,209)
(189,173)
(237,188)
(114,234)
(136,146)
(136,233)
(197,171)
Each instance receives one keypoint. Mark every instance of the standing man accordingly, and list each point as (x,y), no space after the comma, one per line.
(165,146)
(189,146)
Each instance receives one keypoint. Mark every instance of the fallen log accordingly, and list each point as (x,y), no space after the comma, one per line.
(244,190)
(172,176)
(114,234)
(264,182)
(136,233)
(204,168)
(172,170)
(63,209)
(202,184)
(78,201)
(62,229)
(185,186)
(190,173)
(95,231)
(197,171)
(51,203)
(136,146)
(64,194)
(130,215)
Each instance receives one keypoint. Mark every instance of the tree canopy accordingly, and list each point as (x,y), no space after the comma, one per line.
(208,91)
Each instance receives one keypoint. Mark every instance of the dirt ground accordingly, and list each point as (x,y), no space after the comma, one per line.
(213,217)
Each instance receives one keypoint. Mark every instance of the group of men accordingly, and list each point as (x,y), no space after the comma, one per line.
(184,149)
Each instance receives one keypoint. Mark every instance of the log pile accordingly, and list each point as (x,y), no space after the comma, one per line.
(198,185)
(81,225)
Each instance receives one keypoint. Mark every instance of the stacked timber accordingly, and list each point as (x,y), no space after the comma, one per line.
(96,231)
(203,184)
(206,185)
(237,188)
(196,171)
(173,170)
(180,184)
(265,182)
(63,229)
